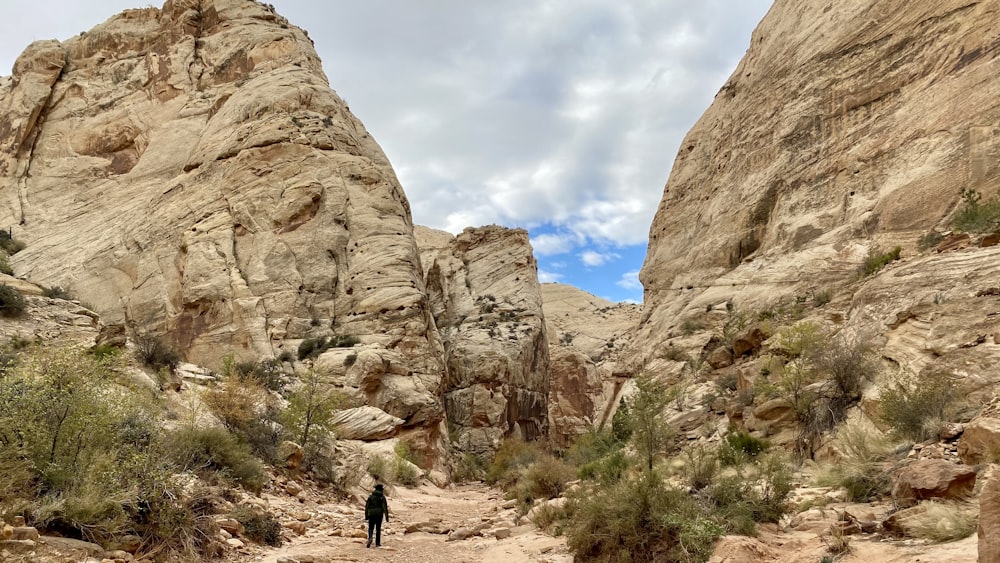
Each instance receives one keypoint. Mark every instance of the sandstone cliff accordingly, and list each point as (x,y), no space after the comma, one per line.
(484,294)
(587,337)
(847,127)
(189,172)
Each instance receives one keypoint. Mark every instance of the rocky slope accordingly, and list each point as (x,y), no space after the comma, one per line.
(847,127)
(189,171)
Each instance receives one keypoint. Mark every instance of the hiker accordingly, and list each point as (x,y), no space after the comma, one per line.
(375,509)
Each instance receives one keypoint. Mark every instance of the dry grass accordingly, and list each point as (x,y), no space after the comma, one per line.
(944,521)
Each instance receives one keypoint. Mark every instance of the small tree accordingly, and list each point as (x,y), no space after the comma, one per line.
(310,408)
(649,432)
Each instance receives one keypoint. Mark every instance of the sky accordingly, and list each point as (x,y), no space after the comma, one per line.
(562,117)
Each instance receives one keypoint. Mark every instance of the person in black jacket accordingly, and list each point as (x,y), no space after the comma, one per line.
(375,509)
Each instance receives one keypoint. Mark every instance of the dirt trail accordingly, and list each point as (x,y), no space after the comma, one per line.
(458,507)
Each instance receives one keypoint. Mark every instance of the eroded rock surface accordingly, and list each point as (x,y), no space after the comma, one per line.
(484,294)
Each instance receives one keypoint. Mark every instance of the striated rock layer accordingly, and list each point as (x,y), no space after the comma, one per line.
(848,126)
(485,297)
(189,171)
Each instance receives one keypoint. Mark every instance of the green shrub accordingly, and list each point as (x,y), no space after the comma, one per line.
(350,359)
(313,347)
(691,326)
(756,492)
(547,477)
(56,292)
(381,469)
(12,303)
(512,456)
(639,520)
(876,260)
(265,372)
(929,240)
(859,471)
(405,450)
(10,245)
(406,473)
(740,447)
(286,356)
(700,468)
(976,215)
(259,526)
(155,353)
(5,266)
(609,469)
(468,468)
(214,452)
(915,407)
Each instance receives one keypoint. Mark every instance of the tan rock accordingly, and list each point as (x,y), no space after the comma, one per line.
(291,453)
(980,440)
(484,294)
(932,478)
(988,527)
(19,533)
(819,192)
(365,423)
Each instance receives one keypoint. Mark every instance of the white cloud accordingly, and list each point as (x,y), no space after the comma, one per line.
(548,244)
(548,277)
(592,258)
(630,281)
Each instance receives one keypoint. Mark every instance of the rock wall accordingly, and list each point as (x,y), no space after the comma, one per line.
(587,336)
(189,171)
(486,301)
(847,127)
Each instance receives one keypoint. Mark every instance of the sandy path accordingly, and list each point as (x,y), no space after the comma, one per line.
(457,507)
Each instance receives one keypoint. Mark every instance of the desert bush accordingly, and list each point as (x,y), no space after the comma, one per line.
(56,292)
(591,446)
(381,469)
(404,450)
(650,434)
(944,521)
(80,456)
(859,471)
(468,468)
(976,215)
(547,477)
(406,473)
(929,240)
(548,518)
(639,520)
(215,453)
(5,266)
(739,447)
(153,352)
(512,456)
(259,526)
(876,260)
(691,326)
(915,407)
(700,467)
(12,303)
(756,492)
(10,245)
(266,372)
(246,409)
(313,347)
(822,297)
(608,469)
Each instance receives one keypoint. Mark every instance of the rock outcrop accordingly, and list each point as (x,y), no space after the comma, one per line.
(587,336)
(486,302)
(846,128)
(189,171)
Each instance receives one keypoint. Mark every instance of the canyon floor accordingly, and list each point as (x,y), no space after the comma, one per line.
(462,507)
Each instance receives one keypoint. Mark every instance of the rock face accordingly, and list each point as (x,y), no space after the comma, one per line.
(485,298)
(189,171)
(586,335)
(847,127)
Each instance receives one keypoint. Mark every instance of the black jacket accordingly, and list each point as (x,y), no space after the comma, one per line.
(376,507)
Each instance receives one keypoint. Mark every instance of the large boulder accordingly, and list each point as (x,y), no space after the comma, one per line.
(988,528)
(980,440)
(932,478)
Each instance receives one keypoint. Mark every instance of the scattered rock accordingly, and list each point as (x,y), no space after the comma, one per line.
(932,478)
(291,453)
